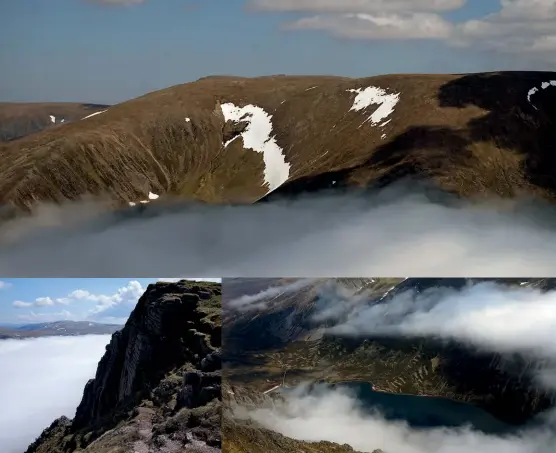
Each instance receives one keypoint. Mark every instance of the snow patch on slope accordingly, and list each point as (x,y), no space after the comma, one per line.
(375,96)
(93,114)
(151,196)
(52,119)
(257,136)
(534,90)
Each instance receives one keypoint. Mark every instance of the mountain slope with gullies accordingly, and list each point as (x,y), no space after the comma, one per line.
(233,139)
(280,353)
(158,386)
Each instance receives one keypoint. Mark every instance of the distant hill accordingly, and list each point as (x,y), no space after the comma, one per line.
(57,328)
(234,139)
(18,119)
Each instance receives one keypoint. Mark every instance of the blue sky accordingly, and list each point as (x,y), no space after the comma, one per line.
(32,300)
(108,51)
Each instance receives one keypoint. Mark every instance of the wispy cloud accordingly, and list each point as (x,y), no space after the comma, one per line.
(263,298)
(518,26)
(21,304)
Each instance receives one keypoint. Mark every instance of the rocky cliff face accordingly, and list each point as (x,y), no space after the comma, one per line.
(157,387)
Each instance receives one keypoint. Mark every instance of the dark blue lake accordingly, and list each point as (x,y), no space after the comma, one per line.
(423,411)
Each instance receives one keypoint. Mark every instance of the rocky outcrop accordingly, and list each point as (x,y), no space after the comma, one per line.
(157,387)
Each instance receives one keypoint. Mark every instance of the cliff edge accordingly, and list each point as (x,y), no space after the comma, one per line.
(157,388)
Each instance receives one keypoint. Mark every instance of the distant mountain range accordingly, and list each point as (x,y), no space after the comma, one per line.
(57,328)
(19,119)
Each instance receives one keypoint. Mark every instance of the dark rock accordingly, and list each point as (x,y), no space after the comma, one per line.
(205,295)
(157,337)
(212,361)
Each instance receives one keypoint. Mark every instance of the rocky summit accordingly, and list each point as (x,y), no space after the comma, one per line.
(235,139)
(157,388)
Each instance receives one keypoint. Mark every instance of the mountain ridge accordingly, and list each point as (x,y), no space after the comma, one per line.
(470,134)
(157,387)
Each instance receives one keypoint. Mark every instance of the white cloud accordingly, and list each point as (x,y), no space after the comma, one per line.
(518,25)
(484,315)
(379,26)
(355,6)
(126,295)
(21,304)
(5,285)
(42,379)
(43,301)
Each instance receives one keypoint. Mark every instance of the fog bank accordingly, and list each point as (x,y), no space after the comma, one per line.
(40,380)
(403,230)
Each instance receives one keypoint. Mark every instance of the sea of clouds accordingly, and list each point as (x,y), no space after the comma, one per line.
(401,230)
(40,380)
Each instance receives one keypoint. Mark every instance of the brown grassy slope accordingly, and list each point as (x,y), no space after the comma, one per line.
(471,133)
(245,438)
(19,119)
